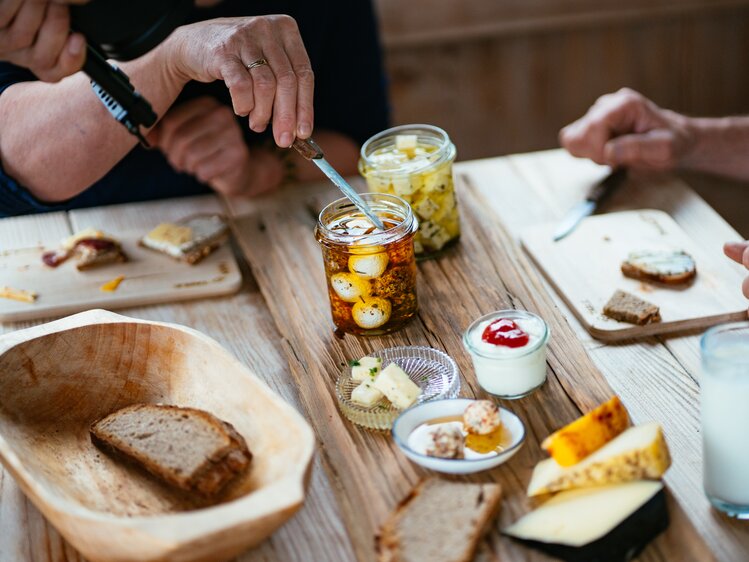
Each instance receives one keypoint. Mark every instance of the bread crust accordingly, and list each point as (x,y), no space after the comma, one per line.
(388,542)
(634,272)
(676,267)
(209,478)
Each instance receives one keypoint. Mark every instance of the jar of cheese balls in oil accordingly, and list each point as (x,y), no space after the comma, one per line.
(415,162)
(370,273)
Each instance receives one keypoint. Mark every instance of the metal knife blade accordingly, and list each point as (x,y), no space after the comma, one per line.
(312,152)
(597,194)
(573,218)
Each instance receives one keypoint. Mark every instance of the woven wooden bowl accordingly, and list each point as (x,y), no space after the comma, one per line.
(57,378)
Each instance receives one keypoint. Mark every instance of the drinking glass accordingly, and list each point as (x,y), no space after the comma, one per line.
(724,391)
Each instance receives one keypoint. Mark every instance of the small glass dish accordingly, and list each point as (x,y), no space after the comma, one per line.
(433,371)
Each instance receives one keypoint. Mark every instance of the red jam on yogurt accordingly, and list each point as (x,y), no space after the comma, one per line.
(506,332)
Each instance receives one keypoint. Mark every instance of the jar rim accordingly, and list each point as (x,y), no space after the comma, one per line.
(408,224)
(445,149)
(708,345)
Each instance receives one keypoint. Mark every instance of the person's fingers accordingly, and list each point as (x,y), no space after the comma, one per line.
(182,144)
(284,103)
(240,84)
(180,115)
(611,115)
(264,91)
(8,11)
(23,29)
(217,163)
(197,150)
(653,150)
(745,287)
(300,63)
(736,250)
(50,43)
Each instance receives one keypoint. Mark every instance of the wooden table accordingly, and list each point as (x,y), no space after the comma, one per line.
(656,378)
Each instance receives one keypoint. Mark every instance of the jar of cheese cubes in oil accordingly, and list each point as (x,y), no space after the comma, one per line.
(415,162)
(370,273)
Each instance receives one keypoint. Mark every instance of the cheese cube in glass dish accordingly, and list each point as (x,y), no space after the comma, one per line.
(415,162)
(431,371)
(370,273)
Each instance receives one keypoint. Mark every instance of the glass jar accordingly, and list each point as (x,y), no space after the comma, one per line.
(370,274)
(415,162)
(514,368)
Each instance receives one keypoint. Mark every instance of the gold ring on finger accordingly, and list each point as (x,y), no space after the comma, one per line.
(258,62)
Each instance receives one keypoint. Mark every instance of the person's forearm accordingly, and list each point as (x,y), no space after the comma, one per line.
(58,139)
(721,146)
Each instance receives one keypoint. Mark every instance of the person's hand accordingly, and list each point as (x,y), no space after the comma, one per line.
(202,137)
(221,49)
(739,252)
(627,129)
(36,34)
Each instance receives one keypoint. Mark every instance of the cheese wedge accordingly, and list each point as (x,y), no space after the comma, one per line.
(366,369)
(394,383)
(638,453)
(612,523)
(577,440)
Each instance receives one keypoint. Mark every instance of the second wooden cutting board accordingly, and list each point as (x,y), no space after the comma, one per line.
(584,268)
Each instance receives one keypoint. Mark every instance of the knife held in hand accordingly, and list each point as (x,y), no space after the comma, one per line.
(597,194)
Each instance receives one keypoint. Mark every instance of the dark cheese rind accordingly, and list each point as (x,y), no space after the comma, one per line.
(623,543)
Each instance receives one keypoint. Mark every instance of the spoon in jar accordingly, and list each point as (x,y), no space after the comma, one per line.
(311,151)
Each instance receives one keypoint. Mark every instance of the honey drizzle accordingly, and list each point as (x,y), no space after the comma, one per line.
(495,442)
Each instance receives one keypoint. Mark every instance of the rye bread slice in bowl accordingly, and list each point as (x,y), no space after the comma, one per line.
(185,447)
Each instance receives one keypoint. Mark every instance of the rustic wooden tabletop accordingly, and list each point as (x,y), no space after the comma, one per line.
(279,325)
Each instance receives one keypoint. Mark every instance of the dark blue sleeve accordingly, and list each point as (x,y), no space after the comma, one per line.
(351,90)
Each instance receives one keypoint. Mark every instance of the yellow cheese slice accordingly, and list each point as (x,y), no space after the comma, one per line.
(638,453)
(17,294)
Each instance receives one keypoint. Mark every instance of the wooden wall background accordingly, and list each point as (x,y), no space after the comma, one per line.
(502,76)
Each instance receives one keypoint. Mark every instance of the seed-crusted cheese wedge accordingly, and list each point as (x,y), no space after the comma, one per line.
(638,453)
(577,440)
(394,383)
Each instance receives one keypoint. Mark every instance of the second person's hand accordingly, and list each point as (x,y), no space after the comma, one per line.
(279,89)
(202,137)
(627,129)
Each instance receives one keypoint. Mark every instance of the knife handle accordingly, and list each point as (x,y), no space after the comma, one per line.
(308,148)
(603,189)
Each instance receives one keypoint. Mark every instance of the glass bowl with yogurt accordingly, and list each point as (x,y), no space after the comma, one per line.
(508,349)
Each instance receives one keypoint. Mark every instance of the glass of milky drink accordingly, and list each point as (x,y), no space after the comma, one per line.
(415,162)
(724,406)
(508,348)
(370,273)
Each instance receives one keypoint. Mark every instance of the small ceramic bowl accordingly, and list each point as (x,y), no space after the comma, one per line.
(422,413)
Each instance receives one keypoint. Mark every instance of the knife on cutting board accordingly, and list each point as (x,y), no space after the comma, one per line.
(597,194)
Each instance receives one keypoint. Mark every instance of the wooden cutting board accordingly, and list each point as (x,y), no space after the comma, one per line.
(584,268)
(149,277)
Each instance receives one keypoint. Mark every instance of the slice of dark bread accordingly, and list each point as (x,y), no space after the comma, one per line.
(439,521)
(626,307)
(185,447)
(660,266)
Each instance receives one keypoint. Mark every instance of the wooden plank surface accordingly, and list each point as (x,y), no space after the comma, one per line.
(486,271)
(149,277)
(243,325)
(584,269)
(656,377)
